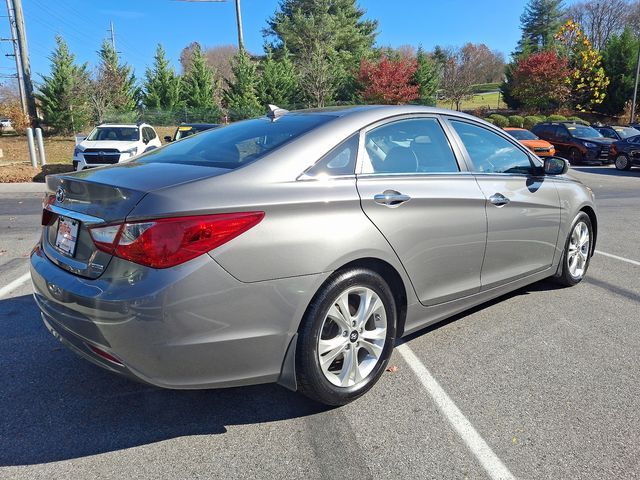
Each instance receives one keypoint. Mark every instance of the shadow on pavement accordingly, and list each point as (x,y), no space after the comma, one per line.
(56,406)
(608,170)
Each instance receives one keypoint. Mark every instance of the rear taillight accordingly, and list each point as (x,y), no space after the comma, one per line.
(166,242)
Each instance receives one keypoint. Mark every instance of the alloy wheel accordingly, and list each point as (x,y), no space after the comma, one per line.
(578,254)
(352,337)
(621,162)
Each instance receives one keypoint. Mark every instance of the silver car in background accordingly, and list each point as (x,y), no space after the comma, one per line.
(296,248)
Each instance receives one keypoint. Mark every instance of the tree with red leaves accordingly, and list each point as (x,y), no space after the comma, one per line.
(388,81)
(540,81)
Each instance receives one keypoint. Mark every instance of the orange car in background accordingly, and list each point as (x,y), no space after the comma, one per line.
(542,148)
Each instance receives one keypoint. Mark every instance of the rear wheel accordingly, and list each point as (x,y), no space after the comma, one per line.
(346,337)
(577,251)
(623,162)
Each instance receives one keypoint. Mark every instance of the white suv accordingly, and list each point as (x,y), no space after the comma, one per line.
(109,143)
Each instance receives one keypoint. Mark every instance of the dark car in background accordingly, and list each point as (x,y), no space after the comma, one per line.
(578,143)
(616,132)
(626,153)
(187,129)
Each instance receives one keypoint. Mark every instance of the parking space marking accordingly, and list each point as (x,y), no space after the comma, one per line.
(480,449)
(622,259)
(15,284)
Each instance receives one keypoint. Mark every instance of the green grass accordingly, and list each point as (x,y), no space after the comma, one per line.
(482,100)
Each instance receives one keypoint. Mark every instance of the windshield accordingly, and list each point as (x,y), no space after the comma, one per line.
(237,144)
(584,132)
(115,134)
(626,132)
(187,130)
(522,135)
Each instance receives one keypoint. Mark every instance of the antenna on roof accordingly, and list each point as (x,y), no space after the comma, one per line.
(274,112)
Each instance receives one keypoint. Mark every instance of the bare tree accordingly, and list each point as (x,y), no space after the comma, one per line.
(186,56)
(219,58)
(601,18)
(468,66)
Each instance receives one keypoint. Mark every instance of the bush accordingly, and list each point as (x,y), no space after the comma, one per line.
(556,118)
(516,121)
(578,120)
(490,120)
(500,120)
(531,120)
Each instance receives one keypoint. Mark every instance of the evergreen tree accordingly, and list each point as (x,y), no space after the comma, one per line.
(427,77)
(539,23)
(320,33)
(199,88)
(619,62)
(241,93)
(114,92)
(63,93)
(161,89)
(278,84)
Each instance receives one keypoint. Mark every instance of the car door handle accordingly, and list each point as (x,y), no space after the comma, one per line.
(498,200)
(391,198)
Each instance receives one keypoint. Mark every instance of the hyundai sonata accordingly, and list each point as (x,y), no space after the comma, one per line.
(296,248)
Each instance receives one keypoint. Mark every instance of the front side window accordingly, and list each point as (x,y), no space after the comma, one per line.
(115,134)
(409,146)
(489,152)
(238,144)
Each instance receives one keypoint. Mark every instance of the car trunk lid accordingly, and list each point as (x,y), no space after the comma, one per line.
(76,202)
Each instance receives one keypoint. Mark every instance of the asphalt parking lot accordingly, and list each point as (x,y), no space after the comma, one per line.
(541,383)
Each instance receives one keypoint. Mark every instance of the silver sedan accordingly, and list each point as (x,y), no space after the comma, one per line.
(296,248)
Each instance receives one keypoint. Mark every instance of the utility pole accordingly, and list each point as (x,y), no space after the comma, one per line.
(238,17)
(24,59)
(16,55)
(635,89)
(239,22)
(113,36)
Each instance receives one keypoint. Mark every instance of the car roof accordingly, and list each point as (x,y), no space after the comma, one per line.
(123,125)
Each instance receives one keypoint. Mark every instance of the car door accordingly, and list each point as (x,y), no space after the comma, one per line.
(523,206)
(430,210)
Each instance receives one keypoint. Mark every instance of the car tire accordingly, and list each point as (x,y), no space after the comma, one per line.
(339,358)
(577,251)
(623,162)
(575,157)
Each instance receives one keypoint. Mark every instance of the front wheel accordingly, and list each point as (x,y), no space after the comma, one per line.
(623,162)
(575,157)
(577,251)
(346,337)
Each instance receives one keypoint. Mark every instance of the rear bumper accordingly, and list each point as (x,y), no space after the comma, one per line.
(193,326)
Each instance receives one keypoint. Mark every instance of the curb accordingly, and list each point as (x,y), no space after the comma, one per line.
(26,187)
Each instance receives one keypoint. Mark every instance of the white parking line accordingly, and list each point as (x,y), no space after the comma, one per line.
(622,259)
(15,284)
(491,463)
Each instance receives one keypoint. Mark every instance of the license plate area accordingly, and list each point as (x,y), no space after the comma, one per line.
(67,235)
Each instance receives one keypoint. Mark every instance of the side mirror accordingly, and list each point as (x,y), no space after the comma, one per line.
(168,139)
(145,140)
(555,166)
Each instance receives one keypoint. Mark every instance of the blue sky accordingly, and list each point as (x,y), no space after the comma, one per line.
(141,24)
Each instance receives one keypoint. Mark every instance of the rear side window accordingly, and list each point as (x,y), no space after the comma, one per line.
(237,144)
(491,153)
(341,160)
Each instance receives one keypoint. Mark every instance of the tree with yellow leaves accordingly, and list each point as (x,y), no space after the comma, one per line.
(588,82)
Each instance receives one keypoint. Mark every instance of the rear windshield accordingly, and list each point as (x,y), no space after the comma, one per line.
(237,144)
(522,135)
(117,134)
